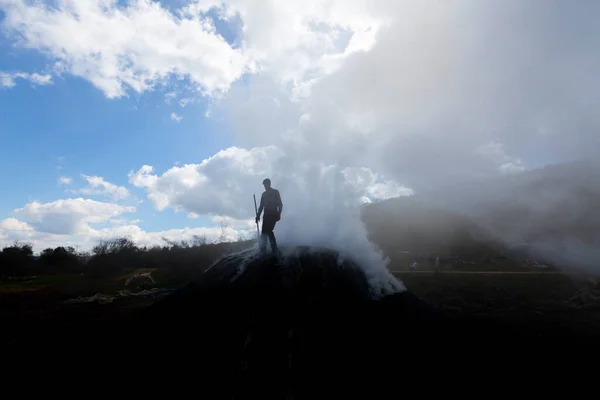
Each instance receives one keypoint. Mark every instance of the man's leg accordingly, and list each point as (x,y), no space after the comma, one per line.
(263,242)
(267,230)
(273,241)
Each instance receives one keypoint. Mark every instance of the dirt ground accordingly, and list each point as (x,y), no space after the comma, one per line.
(546,297)
(269,332)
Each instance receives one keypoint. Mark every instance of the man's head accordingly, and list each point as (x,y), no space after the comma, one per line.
(267,183)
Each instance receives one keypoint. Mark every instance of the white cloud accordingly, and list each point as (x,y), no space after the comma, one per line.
(14,225)
(119,47)
(135,45)
(185,101)
(221,185)
(143,238)
(217,185)
(98,186)
(124,221)
(37,79)
(144,177)
(8,79)
(12,229)
(85,237)
(299,41)
(65,180)
(69,216)
(170,96)
(176,118)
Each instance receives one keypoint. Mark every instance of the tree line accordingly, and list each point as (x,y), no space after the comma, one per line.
(110,256)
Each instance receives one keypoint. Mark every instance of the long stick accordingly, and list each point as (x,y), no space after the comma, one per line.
(256,211)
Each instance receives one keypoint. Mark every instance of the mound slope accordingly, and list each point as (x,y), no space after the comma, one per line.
(291,324)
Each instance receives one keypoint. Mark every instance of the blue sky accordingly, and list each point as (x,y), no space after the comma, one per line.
(70,128)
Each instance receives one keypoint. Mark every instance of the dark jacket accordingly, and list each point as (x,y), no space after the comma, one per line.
(270,201)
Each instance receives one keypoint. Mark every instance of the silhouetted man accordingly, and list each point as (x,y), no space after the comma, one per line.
(270,202)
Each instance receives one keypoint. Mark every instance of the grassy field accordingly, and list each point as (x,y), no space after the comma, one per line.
(475,292)
(541,297)
(479,291)
(491,291)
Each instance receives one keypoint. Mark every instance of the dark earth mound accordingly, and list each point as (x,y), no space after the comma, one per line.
(296,326)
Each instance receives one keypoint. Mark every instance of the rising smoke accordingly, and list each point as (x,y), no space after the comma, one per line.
(452,94)
(322,209)
(554,212)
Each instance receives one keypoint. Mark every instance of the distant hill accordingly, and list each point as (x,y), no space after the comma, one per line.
(406,228)
(554,212)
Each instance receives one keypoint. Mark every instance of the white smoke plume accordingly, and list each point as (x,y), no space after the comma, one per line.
(450,94)
(322,209)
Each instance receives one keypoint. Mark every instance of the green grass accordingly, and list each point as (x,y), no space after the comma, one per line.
(493,293)
(72,285)
(40,282)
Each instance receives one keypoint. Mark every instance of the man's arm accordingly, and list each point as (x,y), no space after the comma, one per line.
(279,202)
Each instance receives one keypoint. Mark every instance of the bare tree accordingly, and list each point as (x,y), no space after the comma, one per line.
(224,226)
(198,240)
